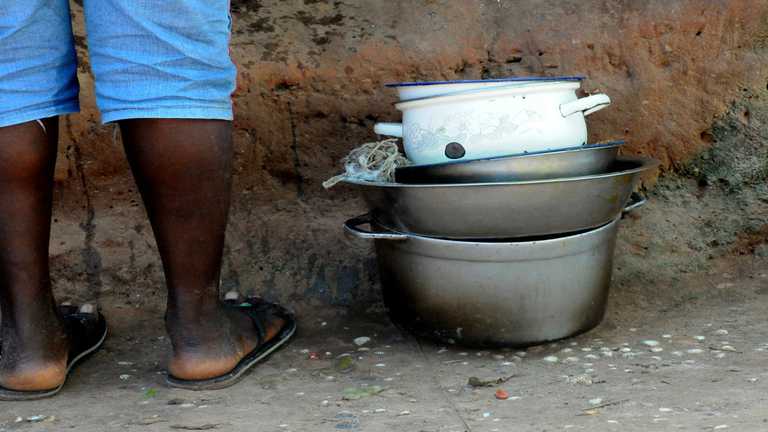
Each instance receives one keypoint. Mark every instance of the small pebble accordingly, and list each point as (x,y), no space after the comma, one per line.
(379,410)
(626,350)
(728,348)
(18,420)
(324,403)
(695,351)
(720,427)
(187,405)
(381,365)
(591,357)
(666,336)
(551,359)
(566,350)
(571,360)
(125,377)
(657,358)
(666,410)
(720,355)
(403,413)
(721,332)
(657,349)
(700,338)
(677,353)
(486,414)
(586,349)
(596,401)
(362,340)
(753,380)
(521,353)
(650,343)
(36,418)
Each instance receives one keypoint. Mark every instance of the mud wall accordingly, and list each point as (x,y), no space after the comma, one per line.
(688,80)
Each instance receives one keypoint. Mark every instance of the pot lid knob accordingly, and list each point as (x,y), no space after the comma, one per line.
(455,150)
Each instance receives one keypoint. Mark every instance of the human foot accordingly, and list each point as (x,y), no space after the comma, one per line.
(38,353)
(220,345)
(34,350)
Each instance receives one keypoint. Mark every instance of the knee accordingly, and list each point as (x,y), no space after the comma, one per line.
(25,152)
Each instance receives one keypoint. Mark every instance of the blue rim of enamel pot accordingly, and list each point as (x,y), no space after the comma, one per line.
(509,79)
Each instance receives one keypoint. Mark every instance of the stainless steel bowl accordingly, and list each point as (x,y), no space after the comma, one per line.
(505,209)
(579,161)
(494,293)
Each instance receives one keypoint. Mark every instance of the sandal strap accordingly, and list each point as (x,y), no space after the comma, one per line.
(260,311)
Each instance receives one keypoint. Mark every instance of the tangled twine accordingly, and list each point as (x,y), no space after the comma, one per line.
(374,161)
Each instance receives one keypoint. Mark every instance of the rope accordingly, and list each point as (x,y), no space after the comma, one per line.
(374,161)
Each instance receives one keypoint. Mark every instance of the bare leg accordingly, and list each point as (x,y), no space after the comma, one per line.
(34,344)
(183,170)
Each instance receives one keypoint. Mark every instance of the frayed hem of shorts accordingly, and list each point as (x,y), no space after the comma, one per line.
(203,113)
(39,114)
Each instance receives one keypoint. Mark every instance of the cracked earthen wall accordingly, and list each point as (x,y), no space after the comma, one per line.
(310,89)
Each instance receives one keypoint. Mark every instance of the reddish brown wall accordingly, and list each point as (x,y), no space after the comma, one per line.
(310,88)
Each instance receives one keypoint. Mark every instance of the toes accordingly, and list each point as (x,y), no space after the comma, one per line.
(87,308)
(232,297)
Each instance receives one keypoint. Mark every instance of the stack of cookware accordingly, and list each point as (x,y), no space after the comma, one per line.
(502,232)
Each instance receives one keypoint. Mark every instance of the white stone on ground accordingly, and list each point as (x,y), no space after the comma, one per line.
(362,340)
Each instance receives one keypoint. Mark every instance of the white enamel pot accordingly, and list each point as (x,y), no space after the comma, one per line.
(418,90)
(494,122)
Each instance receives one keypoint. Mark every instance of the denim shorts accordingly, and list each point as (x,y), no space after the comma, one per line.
(149,59)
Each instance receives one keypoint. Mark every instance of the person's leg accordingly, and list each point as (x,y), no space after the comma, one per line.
(34,344)
(183,170)
(37,81)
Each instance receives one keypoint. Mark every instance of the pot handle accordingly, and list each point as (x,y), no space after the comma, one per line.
(389,129)
(586,105)
(635,204)
(352,228)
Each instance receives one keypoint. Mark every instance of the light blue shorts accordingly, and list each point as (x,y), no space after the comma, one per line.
(149,58)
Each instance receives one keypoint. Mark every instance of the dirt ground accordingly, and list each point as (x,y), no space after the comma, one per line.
(708,372)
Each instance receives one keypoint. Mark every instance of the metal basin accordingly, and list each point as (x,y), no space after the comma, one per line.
(494,293)
(505,209)
(578,161)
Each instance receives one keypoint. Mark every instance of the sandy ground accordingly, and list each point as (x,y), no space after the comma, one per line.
(708,371)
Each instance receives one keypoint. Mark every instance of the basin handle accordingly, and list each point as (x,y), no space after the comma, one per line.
(635,204)
(586,105)
(352,228)
(389,129)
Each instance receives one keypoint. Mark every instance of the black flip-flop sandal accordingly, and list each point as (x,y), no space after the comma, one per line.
(257,309)
(87,331)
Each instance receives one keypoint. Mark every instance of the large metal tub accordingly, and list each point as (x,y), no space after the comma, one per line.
(505,209)
(494,293)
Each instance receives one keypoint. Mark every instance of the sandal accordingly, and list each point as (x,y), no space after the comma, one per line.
(87,330)
(258,310)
